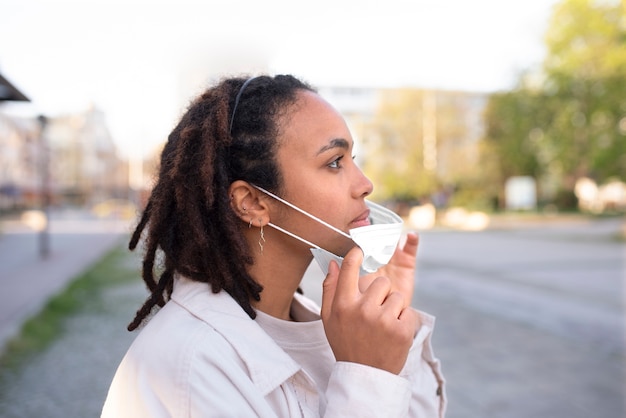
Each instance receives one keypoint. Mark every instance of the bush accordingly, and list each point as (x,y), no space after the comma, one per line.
(566,200)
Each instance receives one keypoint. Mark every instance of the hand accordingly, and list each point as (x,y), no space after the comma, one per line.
(400,270)
(371,327)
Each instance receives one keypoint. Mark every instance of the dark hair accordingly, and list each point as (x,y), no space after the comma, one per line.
(188,216)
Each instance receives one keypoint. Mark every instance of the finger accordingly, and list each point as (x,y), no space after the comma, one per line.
(378,290)
(348,280)
(329,286)
(410,318)
(394,304)
(410,246)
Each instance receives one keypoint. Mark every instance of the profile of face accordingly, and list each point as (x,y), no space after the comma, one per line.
(315,158)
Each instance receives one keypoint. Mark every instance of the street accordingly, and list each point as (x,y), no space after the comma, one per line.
(566,281)
(530,320)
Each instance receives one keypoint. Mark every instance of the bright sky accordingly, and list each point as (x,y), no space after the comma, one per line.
(140,61)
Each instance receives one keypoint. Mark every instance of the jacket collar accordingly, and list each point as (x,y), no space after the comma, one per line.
(268,365)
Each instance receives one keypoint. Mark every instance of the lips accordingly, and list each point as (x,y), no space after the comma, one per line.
(362,220)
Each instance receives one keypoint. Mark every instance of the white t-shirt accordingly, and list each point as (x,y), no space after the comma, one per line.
(304,340)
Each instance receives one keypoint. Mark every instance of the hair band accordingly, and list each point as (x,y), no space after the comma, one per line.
(232,116)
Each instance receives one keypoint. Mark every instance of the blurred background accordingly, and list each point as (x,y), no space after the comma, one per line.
(497,128)
(490,106)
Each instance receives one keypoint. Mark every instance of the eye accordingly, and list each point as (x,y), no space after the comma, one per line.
(336,163)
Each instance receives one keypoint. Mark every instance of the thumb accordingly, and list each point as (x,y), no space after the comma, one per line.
(329,286)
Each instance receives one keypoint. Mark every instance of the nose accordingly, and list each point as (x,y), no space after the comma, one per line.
(363,185)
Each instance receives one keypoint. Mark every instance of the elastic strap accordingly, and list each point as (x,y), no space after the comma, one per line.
(326,224)
(291,234)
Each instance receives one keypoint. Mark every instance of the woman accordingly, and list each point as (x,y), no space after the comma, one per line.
(246,177)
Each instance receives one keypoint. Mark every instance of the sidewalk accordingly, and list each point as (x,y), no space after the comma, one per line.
(28,280)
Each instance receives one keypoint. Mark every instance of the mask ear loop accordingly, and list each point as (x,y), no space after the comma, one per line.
(284,231)
(339,231)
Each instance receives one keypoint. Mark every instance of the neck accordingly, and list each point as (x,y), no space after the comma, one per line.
(279,269)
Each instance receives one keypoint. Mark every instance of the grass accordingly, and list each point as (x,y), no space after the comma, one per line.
(82,293)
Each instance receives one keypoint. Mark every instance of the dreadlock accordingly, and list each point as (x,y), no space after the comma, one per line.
(188,217)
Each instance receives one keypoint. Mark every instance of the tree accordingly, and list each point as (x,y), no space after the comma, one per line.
(586,39)
(585,69)
(420,139)
(397,168)
(574,123)
(512,126)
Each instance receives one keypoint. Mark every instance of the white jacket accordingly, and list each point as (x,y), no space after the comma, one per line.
(202,356)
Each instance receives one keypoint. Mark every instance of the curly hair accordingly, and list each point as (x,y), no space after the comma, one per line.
(188,216)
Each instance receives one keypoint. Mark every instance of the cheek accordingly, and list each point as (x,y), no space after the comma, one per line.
(327,207)
(322,199)
(319,198)
(331,212)
(312,230)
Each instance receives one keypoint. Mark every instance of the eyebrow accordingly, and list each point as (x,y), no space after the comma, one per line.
(335,143)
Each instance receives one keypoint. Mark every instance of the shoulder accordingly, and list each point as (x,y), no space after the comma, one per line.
(174,339)
(174,359)
(201,335)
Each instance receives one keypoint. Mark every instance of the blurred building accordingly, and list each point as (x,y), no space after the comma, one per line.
(18,152)
(84,163)
(81,157)
(19,171)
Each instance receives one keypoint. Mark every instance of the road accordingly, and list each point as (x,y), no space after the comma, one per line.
(530,320)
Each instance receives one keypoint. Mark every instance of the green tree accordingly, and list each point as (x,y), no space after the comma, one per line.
(512,125)
(397,168)
(586,39)
(420,142)
(586,76)
(574,123)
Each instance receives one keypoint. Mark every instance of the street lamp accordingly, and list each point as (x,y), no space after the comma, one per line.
(44,233)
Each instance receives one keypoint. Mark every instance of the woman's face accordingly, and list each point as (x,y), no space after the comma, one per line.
(319,175)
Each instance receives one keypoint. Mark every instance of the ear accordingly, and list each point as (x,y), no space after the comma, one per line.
(248,203)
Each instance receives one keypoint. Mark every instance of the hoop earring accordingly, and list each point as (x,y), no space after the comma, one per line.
(262,239)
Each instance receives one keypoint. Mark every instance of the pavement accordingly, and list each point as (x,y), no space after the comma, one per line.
(530,321)
(530,316)
(75,241)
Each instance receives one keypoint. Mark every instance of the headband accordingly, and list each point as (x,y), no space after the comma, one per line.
(232,116)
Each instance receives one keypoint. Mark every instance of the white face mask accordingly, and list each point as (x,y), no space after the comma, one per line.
(378,241)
